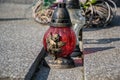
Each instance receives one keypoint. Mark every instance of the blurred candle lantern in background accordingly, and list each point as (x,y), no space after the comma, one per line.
(78,22)
(60,39)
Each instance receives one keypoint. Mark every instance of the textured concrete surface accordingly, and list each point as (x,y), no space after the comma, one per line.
(45,73)
(66,74)
(17,1)
(14,11)
(20,44)
(102,52)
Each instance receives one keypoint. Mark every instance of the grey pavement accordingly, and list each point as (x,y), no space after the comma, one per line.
(46,73)
(20,43)
(14,11)
(66,74)
(102,52)
(17,1)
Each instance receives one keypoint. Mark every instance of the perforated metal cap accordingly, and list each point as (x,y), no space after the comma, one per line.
(72,4)
(61,17)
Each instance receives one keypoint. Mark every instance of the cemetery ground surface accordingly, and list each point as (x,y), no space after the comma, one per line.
(21,49)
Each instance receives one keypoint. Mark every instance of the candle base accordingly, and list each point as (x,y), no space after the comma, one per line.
(60,63)
(77,52)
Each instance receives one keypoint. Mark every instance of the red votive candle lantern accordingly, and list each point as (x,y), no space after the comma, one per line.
(60,40)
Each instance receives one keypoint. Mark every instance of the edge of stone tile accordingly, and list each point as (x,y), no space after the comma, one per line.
(32,70)
(34,66)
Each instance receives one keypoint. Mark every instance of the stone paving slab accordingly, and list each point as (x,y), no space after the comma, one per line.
(14,11)
(45,73)
(102,52)
(17,1)
(20,43)
(66,74)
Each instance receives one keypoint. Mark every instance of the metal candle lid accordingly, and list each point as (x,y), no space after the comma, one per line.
(61,17)
(72,4)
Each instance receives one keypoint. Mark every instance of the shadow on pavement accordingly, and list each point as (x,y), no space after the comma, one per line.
(43,71)
(12,19)
(95,49)
(115,21)
(101,41)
